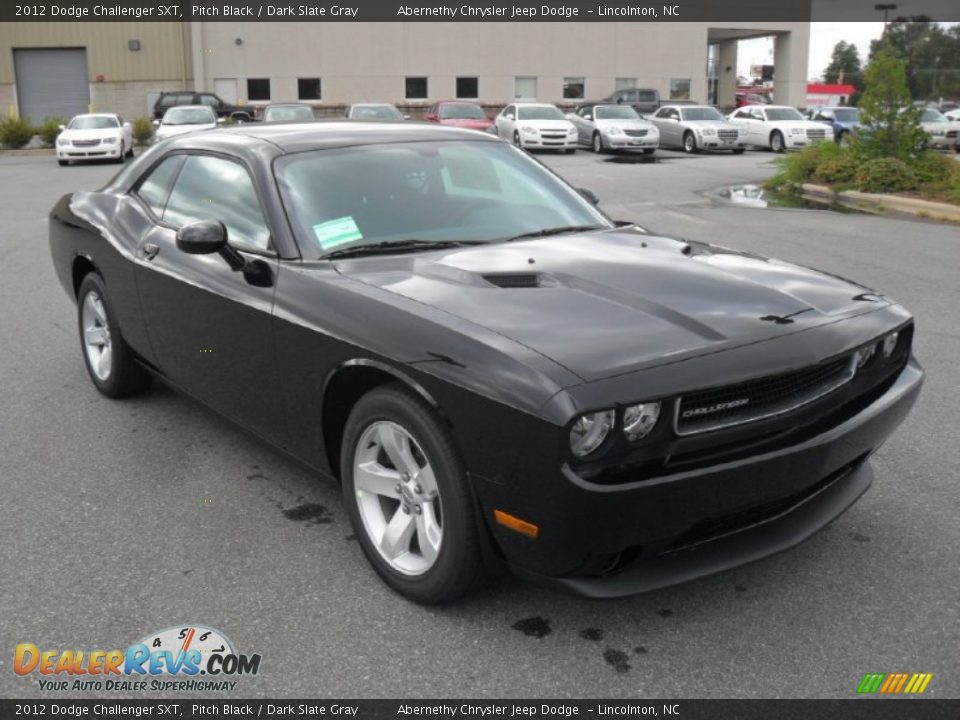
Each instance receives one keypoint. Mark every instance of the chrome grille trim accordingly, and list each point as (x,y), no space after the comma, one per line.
(636,133)
(816,134)
(841,377)
(86,143)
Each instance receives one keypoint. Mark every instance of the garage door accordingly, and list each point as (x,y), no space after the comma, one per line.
(51,82)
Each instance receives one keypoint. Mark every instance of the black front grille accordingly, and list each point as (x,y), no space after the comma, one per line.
(757,399)
(816,134)
(636,133)
(951,133)
(514,280)
(727,134)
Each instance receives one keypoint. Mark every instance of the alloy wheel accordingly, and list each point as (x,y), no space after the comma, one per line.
(96,336)
(398,498)
(597,143)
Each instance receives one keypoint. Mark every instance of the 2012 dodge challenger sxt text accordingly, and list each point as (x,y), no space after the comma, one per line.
(492,369)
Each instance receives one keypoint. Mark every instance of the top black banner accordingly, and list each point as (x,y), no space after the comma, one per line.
(476,10)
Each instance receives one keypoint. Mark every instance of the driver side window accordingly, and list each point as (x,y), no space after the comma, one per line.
(212,188)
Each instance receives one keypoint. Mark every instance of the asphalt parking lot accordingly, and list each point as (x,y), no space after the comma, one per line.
(123,518)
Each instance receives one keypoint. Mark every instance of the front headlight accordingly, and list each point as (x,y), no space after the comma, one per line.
(528,130)
(939,133)
(709,131)
(589,432)
(890,344)
(796,131)
(572,130)
(113,140)
(639,420)
(614,131)
(865,354)
(62,141)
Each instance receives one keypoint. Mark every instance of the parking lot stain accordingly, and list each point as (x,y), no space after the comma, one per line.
(350,538)
(860,538)
(537,627)
(632,159)
(591,634)
(256,476)
(617,660)
(640,650)
(309,512)
(740,588)
(665,613)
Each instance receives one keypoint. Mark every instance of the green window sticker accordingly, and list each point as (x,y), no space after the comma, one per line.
(332,233)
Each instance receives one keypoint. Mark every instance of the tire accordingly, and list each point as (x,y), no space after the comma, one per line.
(392,416)
(738,151)
(776,142)
(571,151)
(690,143)
(123,154)
(63,163)
(123,376)
(648,151)
(130,152)
(516,139)
(597,143)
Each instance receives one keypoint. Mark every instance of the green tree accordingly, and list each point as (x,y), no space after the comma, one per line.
(844,64)
(931,53)
(892,122)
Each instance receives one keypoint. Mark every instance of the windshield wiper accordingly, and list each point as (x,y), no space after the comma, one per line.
(388,246)
(557,231)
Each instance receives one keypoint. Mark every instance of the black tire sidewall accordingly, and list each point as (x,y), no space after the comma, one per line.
(458,564)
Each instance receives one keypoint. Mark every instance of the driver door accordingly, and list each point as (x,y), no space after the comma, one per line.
(211,327)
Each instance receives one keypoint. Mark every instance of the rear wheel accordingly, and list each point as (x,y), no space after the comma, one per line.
(406,492)
(109,360)
(776,142)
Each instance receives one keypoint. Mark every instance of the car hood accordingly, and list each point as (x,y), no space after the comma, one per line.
(627,124)
(93,134)
(606,303)
(468,123)
(716,124)
(547,125)
(803,124)
(171,130)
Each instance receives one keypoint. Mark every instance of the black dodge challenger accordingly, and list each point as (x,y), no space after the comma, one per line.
(493,370)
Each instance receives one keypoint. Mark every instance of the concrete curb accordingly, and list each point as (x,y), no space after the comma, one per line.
(872,202)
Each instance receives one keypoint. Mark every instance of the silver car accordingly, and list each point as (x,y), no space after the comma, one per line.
(697,127)
(942,132)
(603,126)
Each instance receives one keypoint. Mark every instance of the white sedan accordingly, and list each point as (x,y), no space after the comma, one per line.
(184,119)
(96,136)
(778,127)
(536,126)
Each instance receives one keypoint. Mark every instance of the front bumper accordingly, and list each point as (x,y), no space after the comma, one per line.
(625,142)
(940,142)
(802,141)
(531,142)
(616,540)
(68,152)
(715,143)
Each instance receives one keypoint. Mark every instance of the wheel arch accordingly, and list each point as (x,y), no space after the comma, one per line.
(349,381)
(82,266)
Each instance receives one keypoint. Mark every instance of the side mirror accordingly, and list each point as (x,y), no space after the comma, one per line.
(509,116)
(589,196)
(62,127)
(202,238)
(156,123)
(406,117)
(220,121)
(126,124)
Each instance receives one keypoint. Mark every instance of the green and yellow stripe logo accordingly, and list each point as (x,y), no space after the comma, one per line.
(894,683)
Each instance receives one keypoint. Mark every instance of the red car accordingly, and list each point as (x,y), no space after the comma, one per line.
(461,114)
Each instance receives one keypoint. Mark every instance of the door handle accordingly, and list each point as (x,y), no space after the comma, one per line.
(150,250)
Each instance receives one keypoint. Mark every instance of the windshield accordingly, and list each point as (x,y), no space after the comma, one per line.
(375,112)
(701,114)
(933,116)
(287,113)
(432,191)
(615,112)
(189,116)
(462,111)
(783,114)
(847,115)
(539,112)
(99,122)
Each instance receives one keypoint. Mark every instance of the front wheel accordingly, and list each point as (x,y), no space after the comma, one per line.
(407,495)
(776,142)
(597,143)
(109,360)
(738,151)
(690,143)
(63,163)
(516,139)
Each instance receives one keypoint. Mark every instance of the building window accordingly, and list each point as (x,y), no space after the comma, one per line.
(525,88)
(416,88)
(258,88)
(625,84)
(468,88)
(573,88)
(308,88)
(680,89)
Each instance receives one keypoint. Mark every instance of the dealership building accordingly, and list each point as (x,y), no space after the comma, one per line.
(61,69)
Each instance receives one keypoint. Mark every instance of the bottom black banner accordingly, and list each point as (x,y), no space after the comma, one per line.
(872,709)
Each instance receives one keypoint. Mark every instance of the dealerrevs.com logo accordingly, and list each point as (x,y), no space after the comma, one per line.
(187,658)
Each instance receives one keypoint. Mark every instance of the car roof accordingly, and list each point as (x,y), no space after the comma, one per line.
(685,106)
(301,137)
(373,104)
(191,107)
(286,104)
(458,102)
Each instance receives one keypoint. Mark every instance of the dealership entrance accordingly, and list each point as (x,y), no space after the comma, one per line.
(51,82)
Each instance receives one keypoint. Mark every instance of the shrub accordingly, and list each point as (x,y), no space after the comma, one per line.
(882,175)
(15,132)
(800,167)
(142,131)
(841,170)
(891,121)
(932,167)
(49,129)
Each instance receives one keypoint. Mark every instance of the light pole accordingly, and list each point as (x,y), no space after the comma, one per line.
(886,8)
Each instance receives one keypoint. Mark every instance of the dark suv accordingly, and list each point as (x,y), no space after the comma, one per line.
(222,109)
(644,101)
